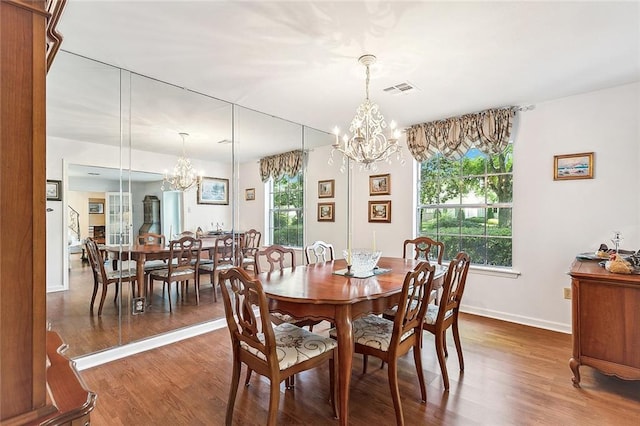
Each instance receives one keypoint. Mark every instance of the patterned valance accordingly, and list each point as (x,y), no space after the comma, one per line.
(488,130)
(276,166)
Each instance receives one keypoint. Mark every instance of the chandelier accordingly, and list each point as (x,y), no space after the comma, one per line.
(184,177)
(367,144)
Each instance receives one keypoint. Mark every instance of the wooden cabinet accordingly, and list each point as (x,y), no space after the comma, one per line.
(606,321)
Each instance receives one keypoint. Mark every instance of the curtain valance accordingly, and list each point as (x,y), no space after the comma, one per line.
(276,166)
(487,130)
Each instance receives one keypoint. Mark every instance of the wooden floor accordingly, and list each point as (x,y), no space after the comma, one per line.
(514,375)
(68,312)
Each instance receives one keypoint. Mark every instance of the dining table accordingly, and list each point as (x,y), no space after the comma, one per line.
(141,253)
(322,291)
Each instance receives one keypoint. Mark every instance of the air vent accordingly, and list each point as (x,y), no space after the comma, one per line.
(404,87)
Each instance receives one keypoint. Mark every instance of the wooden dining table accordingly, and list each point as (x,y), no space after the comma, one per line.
(316,292)
(141,253)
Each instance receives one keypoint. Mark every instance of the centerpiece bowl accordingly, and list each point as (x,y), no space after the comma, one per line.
(362,260)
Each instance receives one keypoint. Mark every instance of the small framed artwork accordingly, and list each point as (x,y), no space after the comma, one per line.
(573,166)
(54,190)
(380,211)
(96,207)
(380,184)
(326,188)
(213,191)
(250,194)
(326,212)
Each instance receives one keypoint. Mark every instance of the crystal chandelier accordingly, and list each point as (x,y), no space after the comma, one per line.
(367,144)
(184,177)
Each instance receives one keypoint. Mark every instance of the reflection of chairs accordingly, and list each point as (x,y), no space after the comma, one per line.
(439,318)
(276,256)
(250,248)
(390,339)
(151,238)
(224,255)
(323,252)
(184,256)
(275,352)
(104,277)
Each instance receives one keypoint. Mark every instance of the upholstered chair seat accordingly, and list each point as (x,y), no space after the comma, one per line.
(373,331)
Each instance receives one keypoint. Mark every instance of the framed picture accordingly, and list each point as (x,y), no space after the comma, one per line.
(380,184)
(54,190)
(96,207)
(326,211)
(213,191)
(573,166)
(250,194)
(326,188)
(380,211)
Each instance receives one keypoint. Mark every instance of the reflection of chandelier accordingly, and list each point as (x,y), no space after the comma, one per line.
(184,176)
(367,144)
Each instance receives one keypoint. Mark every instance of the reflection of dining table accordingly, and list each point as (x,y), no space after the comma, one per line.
(141,253)
(315,292)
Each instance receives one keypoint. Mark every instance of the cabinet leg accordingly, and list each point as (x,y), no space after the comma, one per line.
(574,365)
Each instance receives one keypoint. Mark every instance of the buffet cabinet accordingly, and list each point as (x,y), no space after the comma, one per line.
(606,321)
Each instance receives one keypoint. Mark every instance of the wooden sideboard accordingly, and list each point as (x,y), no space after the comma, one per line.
(606,321)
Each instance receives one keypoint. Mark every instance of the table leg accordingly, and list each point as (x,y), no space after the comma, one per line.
(345,358)
(141,258)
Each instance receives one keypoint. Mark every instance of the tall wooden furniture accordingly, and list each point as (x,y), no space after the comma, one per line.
(275,352)
(606,314)
(23,341)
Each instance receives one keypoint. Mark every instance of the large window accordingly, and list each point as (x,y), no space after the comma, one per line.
(467,204)
(285,213)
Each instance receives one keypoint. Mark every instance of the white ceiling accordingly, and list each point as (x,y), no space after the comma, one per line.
(298,59)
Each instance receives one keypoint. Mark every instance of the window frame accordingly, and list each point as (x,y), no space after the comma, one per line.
(273,209)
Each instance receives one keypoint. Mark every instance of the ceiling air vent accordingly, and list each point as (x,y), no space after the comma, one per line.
(404,87)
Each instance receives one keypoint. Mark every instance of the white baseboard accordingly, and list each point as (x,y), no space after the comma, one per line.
(518,319)
(93,360)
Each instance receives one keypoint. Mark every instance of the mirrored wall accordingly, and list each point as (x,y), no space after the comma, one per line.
(112,136)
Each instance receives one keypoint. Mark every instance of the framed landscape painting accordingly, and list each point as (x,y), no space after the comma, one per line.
(326,188)
(213,191)
(54,190)
(380,211)
(250,194)
(573,166)
(380,185)
(326,212)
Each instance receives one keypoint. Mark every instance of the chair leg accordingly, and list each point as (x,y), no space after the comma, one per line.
(417,358)
(248,377)
(439,338)
(104,295)
(274,402)
(444,342)
(169,294)
(456,339)
(365,361)
(115,296)
(332,387)
(93,296)
(235,379)
(392,372)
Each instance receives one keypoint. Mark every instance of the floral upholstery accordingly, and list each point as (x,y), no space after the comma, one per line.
(209,267)
(154,265)
(283,317)
(373,331)
(113,275)
(294,345)
(429,318)
(165,272)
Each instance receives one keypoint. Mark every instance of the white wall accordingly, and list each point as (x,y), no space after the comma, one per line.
(553,220)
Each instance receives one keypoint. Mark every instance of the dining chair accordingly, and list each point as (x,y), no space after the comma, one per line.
(277,256)
(224,255)
(151,238)
(440,317)
(276,352)
(390,339)
(103,277)
(422,250)
(320,251)
(250,248)
(184,258)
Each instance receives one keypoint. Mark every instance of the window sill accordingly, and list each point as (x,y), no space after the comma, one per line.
(493,271)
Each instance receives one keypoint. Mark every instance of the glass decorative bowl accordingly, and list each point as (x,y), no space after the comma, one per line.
(362,260)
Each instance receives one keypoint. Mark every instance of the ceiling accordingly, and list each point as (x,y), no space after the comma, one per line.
(298,60)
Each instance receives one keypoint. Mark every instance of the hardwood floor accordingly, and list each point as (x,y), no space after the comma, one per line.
(514,375)
(68,313)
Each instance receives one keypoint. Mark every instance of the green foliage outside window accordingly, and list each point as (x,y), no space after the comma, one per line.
(467,204)
(286,218)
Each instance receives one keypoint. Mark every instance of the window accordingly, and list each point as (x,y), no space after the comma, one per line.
(285,212)
(467,204)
